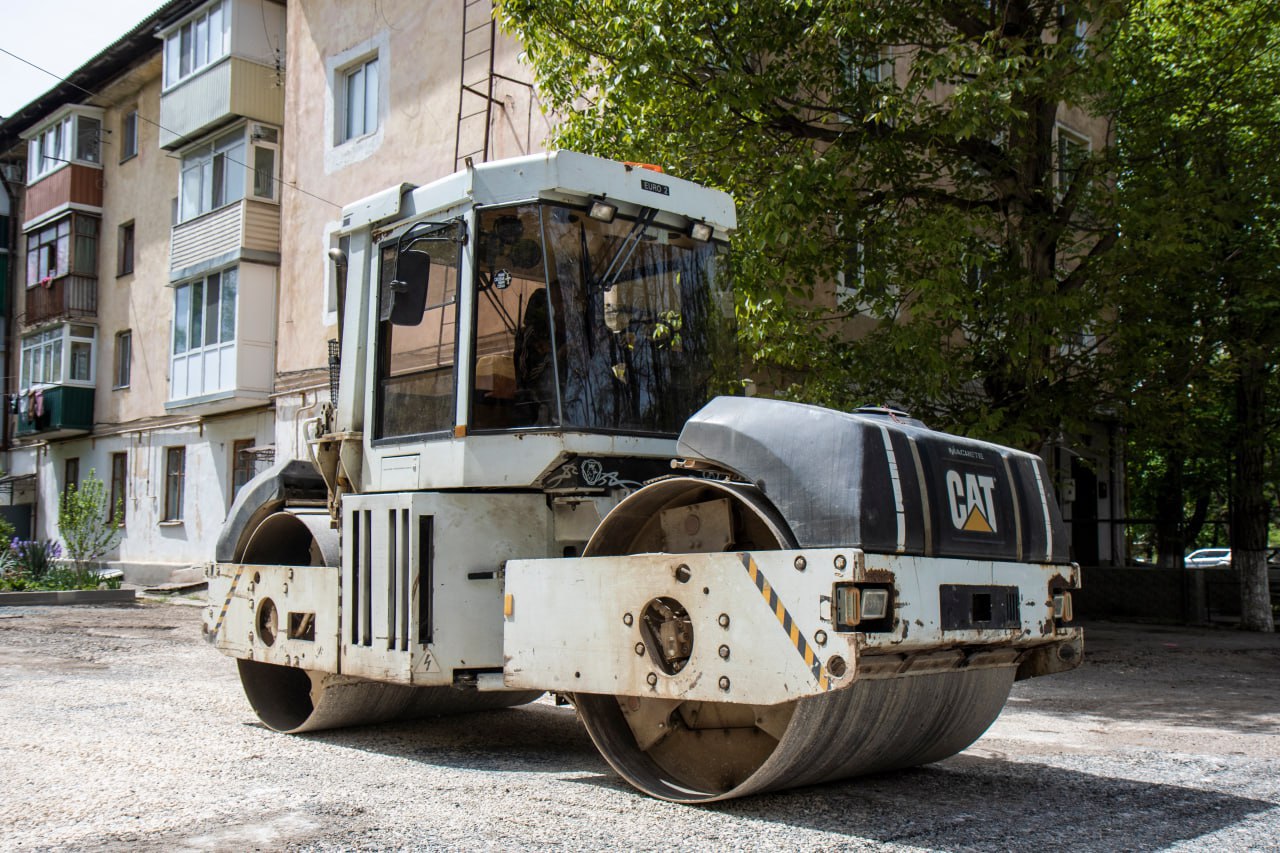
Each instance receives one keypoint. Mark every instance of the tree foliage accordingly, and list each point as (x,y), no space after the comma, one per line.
(89,527)
(1199,154)
(908,149)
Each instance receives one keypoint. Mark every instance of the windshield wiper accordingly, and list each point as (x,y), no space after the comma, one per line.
(625,249)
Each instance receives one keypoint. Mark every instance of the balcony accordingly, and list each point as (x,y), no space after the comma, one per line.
(231,363)
(244,229)
(74,183)
(234,87)
(67,297)
(66,410)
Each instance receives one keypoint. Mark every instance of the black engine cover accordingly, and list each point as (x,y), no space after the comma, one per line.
(883,483)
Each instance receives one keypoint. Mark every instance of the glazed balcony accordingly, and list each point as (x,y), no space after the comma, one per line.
(246,229)
(231,88)
(73,184)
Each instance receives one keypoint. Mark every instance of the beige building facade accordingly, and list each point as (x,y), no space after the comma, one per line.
(399,92)
(146,279)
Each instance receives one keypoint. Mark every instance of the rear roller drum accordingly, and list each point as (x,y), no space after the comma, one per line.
(694,752)
(293,700)
(298,700)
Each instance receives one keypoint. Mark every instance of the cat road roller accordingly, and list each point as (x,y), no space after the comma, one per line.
(534,477)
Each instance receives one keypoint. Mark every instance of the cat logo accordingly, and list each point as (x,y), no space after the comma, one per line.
(972,500)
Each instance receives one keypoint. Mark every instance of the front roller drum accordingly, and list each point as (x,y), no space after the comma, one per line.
(697,752)
(869,727)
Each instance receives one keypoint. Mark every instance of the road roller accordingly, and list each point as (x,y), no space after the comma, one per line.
(538,472)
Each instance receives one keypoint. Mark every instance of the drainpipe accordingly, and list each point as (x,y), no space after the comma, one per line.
(11,189)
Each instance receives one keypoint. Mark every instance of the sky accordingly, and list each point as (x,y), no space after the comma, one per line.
(57,35)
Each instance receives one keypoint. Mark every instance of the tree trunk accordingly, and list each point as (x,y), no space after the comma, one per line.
(1169,542)
(1250,512)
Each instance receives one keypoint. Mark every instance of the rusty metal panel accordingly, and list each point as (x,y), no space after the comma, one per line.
(284,615)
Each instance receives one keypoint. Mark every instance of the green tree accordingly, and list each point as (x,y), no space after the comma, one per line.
(89,527)
(910,148)
(1199,155)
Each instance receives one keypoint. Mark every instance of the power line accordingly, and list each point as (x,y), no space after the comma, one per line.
(290,184)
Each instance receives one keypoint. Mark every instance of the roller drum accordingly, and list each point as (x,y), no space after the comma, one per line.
(294,700)
(704,752)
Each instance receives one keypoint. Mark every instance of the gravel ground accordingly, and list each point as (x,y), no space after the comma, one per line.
(121,729)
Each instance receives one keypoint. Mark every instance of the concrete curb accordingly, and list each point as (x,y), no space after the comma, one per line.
(66,596)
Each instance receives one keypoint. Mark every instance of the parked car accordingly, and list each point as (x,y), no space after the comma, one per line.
(1208,558)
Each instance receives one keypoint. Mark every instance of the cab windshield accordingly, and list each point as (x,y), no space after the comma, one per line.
(601,326)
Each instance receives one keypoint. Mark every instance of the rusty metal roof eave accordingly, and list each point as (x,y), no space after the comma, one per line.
(112,61)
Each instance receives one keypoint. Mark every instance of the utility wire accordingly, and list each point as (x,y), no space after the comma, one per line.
(290,184)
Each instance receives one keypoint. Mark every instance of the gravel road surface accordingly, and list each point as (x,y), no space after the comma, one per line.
(120,729)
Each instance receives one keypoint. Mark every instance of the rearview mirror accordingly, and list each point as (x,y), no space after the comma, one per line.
(409,288)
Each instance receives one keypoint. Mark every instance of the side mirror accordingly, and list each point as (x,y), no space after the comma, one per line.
(409,288)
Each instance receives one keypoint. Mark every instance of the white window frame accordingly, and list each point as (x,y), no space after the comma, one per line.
(175,484)
(358,82)
(122,373)
(1063,134)
(342,152)
(223,170)
(71,135)
(207,178)
(197,42)
(263,139)
(212,351)
(129,135)
(48,353)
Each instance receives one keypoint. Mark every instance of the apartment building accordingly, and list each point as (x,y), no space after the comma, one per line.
(171,336)
(146,277)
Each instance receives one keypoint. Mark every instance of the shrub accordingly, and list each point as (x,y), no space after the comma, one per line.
(88,525)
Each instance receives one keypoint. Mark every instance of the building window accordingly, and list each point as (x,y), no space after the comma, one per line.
(71,475)
(264,142)
(51,251)
(59,356)
(175,463)
(204,333)
(242,467)
(119,477)
(213,175)
(124,249)
(205,312)
(129,135)
(359,93)
(197,43)
(124,358)
(74,137)
(1072,153)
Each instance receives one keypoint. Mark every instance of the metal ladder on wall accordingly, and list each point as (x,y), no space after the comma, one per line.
(475,95)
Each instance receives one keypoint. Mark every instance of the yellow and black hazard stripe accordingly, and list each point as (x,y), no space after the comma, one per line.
(788,624)
(227,603)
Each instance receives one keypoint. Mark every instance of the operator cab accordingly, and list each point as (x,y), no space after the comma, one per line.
(580,324)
